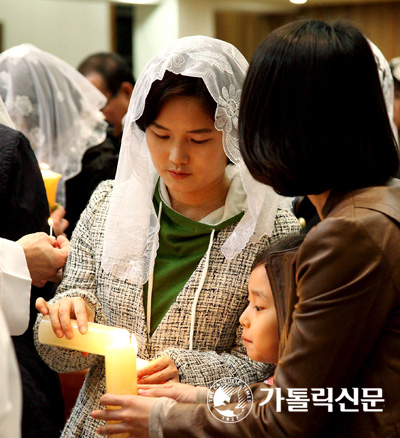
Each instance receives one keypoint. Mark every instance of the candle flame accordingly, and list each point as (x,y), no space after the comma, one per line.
(44,166)
(50,221)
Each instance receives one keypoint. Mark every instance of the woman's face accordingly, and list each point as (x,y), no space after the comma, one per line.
(186,149)
(259,321)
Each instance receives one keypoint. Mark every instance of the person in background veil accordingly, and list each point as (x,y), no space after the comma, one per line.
(59,111)
(166,250)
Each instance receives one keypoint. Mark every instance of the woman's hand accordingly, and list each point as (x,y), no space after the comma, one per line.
(63,311)
(181,392)
(160,370)
(59,223)
(133,415)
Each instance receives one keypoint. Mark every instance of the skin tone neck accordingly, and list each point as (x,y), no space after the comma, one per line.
(202,203)
(319,201)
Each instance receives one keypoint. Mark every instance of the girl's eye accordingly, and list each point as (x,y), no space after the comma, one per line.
(257,308)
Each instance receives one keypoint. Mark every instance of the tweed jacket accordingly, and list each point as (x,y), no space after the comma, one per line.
(217,348)
(343,299)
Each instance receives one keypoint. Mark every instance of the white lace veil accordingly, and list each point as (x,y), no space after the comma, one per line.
(395,67)
(56,107)
(386,78)
(131,234)
(5,119)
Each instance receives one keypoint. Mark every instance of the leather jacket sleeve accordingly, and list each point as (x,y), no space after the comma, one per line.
(345,294)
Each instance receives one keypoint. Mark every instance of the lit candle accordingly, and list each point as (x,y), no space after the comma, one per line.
(121,375)
(50,222)
(50,179)
(93,341)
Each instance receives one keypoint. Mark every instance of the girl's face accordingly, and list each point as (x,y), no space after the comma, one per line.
(396,113)
(186,149)
(259,321)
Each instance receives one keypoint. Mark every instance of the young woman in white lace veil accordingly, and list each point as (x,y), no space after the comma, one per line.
(132,246)
(54,106)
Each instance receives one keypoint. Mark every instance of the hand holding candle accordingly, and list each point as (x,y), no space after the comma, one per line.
(118,346)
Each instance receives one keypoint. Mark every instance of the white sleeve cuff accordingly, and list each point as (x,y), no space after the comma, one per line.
(15,286)
(157,416)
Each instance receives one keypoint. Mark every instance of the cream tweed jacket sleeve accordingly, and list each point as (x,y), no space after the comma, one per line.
(218,348)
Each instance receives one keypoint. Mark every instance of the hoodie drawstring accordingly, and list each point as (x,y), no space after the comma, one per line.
(198,290)
(150,284)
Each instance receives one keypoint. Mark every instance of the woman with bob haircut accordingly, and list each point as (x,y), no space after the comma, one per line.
(313,122)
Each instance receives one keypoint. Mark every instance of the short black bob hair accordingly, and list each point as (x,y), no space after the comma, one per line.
(175,85)
(313,115)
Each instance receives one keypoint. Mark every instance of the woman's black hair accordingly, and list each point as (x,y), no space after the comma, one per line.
(174,85)
(289,242)
(313,115)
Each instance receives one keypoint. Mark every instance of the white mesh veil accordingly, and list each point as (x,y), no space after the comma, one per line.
(131,241)
(386,78)
(5,119)
(56,107)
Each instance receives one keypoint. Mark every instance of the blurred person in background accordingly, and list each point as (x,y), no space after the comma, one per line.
(113,77)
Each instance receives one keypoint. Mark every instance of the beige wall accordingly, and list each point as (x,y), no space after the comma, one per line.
(380,22)
(72,29)
(69,29)
(157,26)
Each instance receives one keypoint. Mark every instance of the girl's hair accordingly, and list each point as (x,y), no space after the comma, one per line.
(313,115)
(174,85)
(289,242)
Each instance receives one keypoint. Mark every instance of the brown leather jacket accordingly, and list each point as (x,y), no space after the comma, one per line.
(344,333)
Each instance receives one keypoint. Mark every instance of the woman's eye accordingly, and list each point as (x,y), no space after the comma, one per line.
(162,137)
(200,141)
(257,308)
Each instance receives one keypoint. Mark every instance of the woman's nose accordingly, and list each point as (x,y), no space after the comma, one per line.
(179,154)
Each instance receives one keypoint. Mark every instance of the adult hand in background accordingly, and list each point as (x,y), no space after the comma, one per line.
(59,223)
(45,256)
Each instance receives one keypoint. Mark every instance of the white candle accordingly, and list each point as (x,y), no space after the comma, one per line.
(50,222)
(94,341)
(121,375)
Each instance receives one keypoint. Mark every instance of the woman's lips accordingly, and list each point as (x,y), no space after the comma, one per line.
(246,341)
(177,174)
